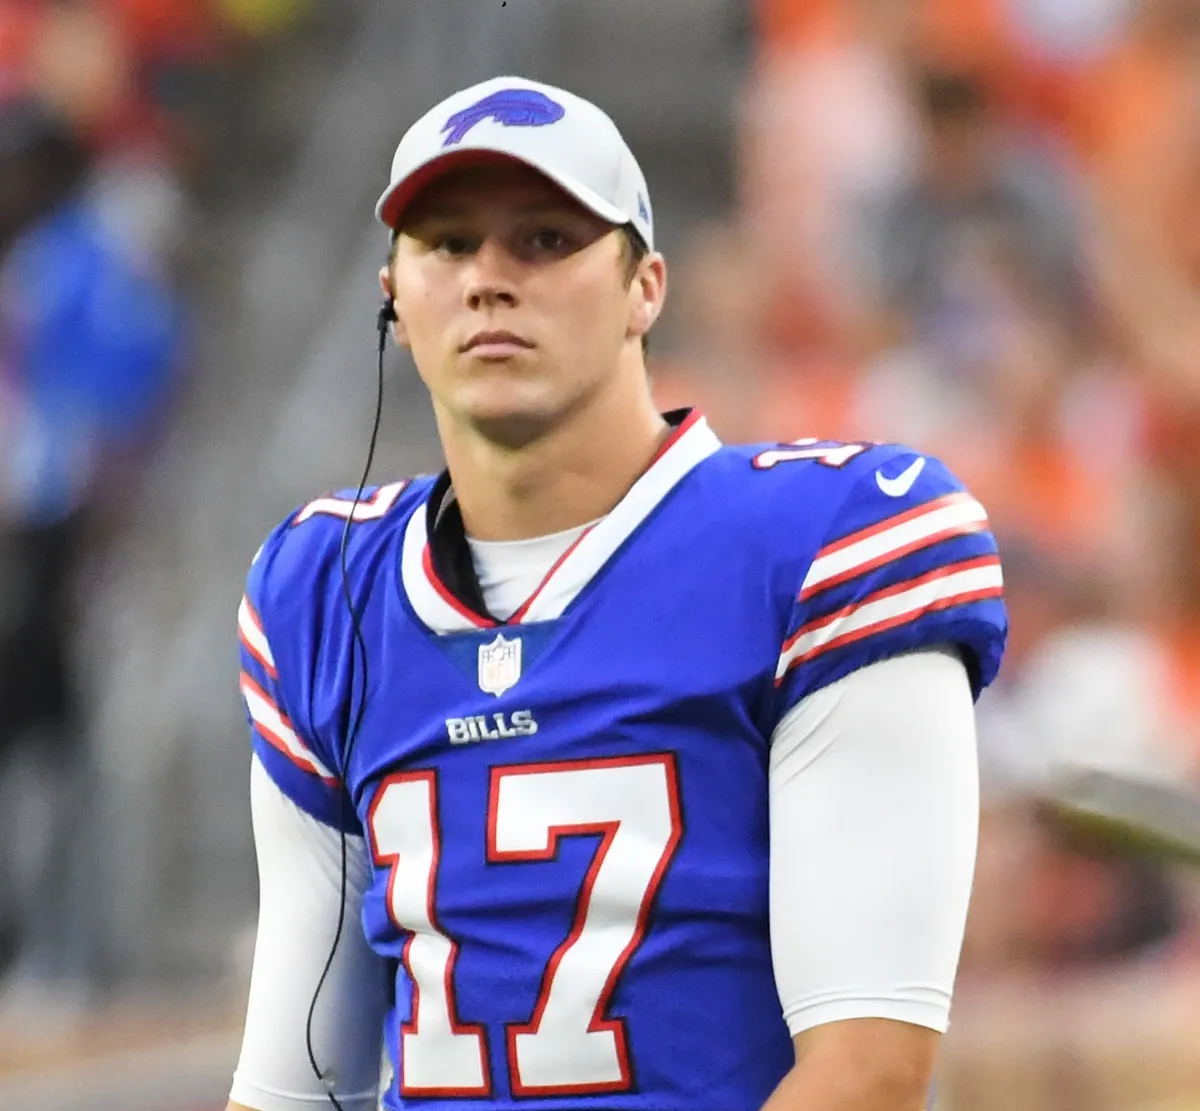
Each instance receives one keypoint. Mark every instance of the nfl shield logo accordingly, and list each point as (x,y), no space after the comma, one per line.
(499,664)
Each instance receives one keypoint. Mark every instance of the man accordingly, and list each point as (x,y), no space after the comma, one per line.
(654,758)
(90,342)
(41,165)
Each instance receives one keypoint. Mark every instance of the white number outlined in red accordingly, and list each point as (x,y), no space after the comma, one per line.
(567,1046)
(828,455)
(368,509)
(404,838)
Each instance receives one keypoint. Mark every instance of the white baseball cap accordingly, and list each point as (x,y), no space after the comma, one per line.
(561,135)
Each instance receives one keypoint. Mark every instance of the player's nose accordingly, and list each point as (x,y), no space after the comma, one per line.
(491,279)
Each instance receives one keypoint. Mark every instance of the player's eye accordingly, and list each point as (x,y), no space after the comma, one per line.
(549,241)
(454,245)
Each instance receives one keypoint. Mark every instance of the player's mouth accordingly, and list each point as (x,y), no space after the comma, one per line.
(495,345)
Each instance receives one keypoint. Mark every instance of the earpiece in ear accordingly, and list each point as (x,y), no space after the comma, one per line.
(387,314)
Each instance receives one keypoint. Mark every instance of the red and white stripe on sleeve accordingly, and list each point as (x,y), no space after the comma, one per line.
(269,721)
(955,584)
(274,727)
(955,514)
(923,560)
(254,637)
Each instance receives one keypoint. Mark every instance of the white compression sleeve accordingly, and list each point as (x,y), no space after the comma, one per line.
(874,820)
(299,868)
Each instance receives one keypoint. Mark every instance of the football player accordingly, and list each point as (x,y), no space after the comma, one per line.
(639,769)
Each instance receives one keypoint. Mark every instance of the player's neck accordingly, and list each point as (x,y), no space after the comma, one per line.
(574,474)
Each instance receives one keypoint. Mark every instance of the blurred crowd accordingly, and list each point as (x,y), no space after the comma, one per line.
(973,226)
(110,135)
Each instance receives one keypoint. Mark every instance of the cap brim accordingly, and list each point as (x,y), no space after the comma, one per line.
(400,194)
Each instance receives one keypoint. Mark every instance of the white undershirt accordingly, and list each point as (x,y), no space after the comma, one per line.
(874,813)
(509,571)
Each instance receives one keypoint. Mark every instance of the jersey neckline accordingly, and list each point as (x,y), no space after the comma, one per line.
(444,610)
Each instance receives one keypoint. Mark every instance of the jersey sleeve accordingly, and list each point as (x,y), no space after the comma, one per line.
(907,561)
(278,654)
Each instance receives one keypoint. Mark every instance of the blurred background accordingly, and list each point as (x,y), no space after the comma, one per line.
(969,225)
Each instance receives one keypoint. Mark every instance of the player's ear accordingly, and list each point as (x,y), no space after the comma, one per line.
(647,294)
(399,333)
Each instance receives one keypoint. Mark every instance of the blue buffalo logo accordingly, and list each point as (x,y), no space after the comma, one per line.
(510,107)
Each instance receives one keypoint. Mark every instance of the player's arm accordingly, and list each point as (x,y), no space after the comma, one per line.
(874,820)
(862,1064)
(300,813)
(299,863)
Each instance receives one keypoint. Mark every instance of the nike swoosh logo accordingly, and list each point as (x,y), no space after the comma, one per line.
(903,482)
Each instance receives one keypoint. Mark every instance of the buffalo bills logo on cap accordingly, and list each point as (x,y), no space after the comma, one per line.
(510,107)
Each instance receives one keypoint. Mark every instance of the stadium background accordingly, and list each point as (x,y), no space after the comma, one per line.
(972,225)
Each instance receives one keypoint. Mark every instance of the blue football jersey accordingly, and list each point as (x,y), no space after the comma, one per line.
(567,812)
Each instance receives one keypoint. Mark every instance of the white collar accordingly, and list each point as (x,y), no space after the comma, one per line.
(690,444)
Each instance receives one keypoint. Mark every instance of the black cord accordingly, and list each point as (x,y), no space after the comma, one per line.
(325,1078)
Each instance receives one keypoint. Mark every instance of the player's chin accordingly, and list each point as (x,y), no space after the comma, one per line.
(515,416)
